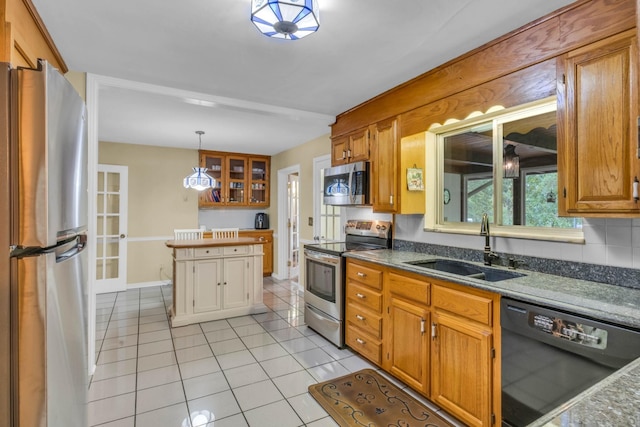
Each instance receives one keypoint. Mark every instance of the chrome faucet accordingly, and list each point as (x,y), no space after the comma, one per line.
(484,231)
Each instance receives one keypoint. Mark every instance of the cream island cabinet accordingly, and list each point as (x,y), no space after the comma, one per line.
(216,279)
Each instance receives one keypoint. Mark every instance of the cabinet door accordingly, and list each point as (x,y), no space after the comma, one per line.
(259,181)
(358,149)
(237,182)
(385,167)
(597,157)
(216,168)
(339,148)
(461,369)
(237,280)
(206,285)
(408,354)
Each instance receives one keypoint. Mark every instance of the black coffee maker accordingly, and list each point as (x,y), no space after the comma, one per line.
(262,221)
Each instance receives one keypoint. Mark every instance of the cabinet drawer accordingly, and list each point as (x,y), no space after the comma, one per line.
(237,250)
(206,252)
(410,288)
(464,304)
(184,253)
(364,296)
(363,344)
(364,319)
(365,275)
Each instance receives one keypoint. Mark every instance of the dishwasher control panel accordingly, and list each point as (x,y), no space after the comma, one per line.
(580,333)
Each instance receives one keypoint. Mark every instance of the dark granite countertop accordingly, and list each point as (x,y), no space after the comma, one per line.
(615,401)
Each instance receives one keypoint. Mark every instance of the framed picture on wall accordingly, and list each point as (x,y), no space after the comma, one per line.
(414,179)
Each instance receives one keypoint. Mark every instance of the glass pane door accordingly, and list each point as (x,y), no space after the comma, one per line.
(259,179)
(111,249)
(237,182)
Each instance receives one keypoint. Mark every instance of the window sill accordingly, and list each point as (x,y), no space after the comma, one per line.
(544,234)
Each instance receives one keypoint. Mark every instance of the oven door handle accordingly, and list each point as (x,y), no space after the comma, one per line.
(320,315)
(321,257)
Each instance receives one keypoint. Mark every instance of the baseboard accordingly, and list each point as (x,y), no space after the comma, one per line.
(148,284)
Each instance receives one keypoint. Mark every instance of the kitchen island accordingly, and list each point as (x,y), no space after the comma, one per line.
(216,279)
(613,401)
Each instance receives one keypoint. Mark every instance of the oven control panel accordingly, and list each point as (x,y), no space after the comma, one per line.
(373,228)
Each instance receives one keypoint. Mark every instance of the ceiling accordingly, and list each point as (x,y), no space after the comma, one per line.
(202,65)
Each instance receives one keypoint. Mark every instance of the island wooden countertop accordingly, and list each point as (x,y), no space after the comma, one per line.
(207,243)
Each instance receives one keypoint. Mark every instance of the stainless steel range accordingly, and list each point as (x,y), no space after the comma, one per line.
(325,275)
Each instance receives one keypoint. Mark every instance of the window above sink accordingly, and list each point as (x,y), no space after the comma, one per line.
(503,163)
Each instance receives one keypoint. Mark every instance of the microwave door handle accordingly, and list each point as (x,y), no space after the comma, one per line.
(352,187)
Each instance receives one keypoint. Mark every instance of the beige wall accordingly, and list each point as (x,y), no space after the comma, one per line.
(79,81)
(302,155)
(157,204)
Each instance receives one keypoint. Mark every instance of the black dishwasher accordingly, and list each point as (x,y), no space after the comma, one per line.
(550,356)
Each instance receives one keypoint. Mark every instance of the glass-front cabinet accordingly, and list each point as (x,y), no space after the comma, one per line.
(240,179)
(259,181)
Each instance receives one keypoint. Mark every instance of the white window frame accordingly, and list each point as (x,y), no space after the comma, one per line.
(435,171)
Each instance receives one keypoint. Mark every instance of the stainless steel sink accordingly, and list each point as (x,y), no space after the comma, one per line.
(466,269)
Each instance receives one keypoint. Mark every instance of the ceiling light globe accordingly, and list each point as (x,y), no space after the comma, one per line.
(285,19)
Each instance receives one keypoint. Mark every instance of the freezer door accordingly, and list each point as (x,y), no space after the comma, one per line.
(51,185)
(51,353)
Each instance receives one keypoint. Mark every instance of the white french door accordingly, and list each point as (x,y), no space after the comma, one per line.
(111,230)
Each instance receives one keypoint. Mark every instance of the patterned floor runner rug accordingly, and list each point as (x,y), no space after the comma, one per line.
(365,398)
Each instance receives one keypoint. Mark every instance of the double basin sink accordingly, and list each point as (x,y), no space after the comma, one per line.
(466,269)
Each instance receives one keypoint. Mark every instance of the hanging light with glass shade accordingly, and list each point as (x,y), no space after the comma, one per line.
(510,162)
(286,19)
(199,179)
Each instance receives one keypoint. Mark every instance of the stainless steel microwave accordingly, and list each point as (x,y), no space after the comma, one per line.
(346,184)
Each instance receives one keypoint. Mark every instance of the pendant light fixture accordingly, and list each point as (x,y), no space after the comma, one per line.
(199,179)
(285,19)
(511,162)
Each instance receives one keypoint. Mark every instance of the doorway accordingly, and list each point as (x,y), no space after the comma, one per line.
(293,225)
(288,223)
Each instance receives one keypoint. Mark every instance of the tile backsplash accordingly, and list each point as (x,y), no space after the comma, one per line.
(610,242)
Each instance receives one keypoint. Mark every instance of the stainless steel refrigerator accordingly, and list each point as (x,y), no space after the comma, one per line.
(43,271)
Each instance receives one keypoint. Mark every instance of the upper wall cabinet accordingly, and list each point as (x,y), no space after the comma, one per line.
(597,116)
(240,180)
(23,37)
(349,148)
(392,160)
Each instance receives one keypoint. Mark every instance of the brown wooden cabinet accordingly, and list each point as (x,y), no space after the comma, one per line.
(391,158)
(353,147)
(364,300)
(437,337)
(24,38)
(598,138)
(407,342)
(241,180)
(463,363)
(266,238)
(384,168)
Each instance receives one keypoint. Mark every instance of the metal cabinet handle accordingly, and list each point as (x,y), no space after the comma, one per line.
(359,341)
(344,154)
(361,318)
(349,153)
(360,274)
(421,326)
(433,330)
(361,296)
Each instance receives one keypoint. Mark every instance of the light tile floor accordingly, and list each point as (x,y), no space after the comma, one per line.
(243,371)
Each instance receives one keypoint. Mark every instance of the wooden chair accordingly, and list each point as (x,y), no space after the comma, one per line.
(187,234)
(224,233)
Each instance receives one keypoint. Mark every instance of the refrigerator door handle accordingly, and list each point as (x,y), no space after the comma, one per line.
(71,248)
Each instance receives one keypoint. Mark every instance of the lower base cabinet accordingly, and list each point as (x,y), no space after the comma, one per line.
(461,363)
(438,338)
(215,283)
